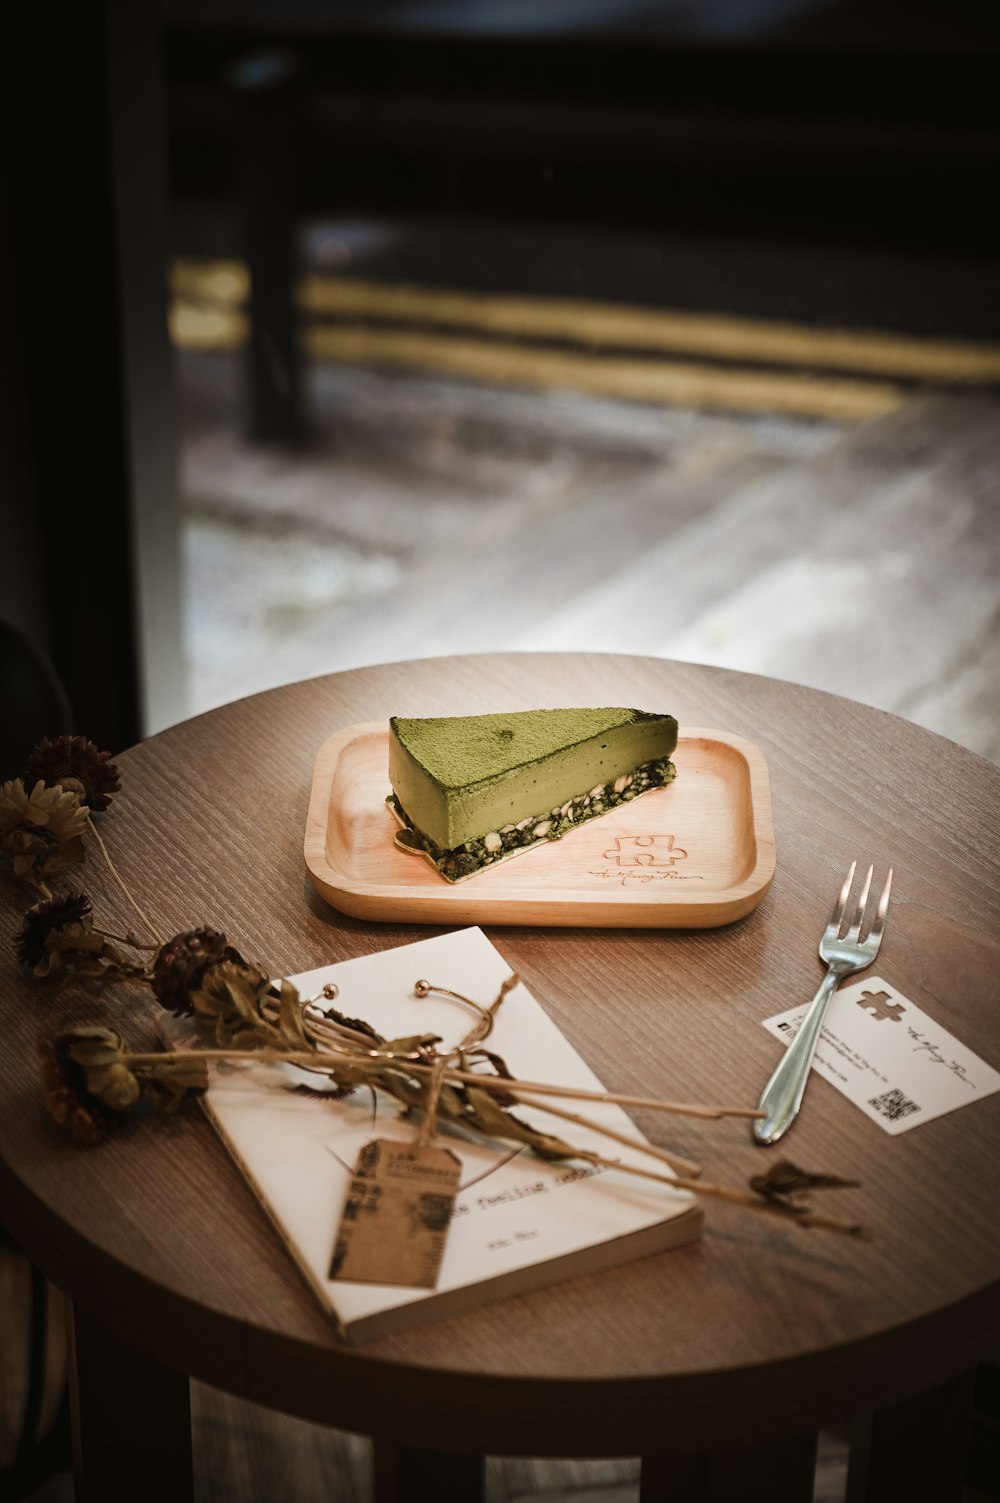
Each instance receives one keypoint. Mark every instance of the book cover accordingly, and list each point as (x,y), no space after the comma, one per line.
(519,1223)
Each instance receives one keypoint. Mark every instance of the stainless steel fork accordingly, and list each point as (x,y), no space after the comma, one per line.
(782,1096)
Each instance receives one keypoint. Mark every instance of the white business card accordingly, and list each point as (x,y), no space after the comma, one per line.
(886,1055)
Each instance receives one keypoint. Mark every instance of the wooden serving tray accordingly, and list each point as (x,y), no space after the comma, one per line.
(693,855)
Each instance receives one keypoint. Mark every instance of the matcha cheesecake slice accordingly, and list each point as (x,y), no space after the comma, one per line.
(474,789)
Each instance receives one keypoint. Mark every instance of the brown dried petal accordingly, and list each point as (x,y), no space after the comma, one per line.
(43,922)
(36,859)
(66,1096)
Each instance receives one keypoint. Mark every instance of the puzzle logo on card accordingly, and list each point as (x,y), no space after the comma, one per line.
(880,1007)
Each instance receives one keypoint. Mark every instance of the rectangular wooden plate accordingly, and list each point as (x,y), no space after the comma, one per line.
(694,855)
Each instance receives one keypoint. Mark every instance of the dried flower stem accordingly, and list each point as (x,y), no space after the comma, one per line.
(503,1083)
(537,1088)
(126,939)
(733,1195)
(802,1217)
(310,1060)
(334,1034)
(682,1166)
(112,869)
(371,1065)
(267,1056)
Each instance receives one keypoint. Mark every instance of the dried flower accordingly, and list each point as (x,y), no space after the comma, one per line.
(75,763)
(181,964)
(43,926)
(58,938)
(41,831)
(65,1089)
(89,1080)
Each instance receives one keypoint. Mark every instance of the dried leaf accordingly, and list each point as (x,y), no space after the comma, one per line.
(492,1119)
(407,1048)
(175,1079)
(785,1180)
(92,1046)
(358,1025)
(290,1017)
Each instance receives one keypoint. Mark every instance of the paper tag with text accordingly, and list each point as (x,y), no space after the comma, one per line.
(396,1215)
(888,1057)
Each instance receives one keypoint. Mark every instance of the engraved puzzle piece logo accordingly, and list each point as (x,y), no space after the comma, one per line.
(880,1007)
(645,850)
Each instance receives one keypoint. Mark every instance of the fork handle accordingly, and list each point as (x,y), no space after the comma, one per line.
(782,1096)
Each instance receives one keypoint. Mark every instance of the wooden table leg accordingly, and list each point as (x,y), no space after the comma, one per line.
(780,1472)
(131,1420)
(406,1474)
(915,1450)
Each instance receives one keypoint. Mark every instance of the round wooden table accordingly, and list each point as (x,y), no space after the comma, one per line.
(725,1354)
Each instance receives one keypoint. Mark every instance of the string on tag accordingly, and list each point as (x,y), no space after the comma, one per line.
(429,1125)
(442,1061)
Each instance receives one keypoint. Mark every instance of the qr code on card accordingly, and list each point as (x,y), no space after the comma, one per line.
(894,1105)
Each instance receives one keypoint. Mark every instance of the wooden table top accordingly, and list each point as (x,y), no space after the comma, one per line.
(758,1330)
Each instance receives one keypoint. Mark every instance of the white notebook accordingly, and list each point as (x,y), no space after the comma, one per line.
(519,1222)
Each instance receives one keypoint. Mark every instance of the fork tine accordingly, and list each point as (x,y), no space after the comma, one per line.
(837,916)
(875,932)
(854,931)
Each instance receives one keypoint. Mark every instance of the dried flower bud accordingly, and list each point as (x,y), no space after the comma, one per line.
(181,964)
(76,763)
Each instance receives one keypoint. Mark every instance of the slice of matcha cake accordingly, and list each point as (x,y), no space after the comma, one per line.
(474,789)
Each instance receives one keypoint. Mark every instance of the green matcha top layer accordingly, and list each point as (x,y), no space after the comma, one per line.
(459,777)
